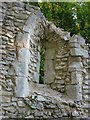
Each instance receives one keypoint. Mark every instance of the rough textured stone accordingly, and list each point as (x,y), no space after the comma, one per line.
(22,87)
(49,77)
(67,67)
(50,54)
(74,92)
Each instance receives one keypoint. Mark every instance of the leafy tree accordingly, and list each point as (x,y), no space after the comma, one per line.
(72,17)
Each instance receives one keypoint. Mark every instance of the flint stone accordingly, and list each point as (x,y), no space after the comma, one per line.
(40,98)
(21,103)
(75,113)
(40,106)
(38,114)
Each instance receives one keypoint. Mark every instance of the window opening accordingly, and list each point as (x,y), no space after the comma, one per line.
(42,60)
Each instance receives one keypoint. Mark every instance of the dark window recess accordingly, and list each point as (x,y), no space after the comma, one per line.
(42,59)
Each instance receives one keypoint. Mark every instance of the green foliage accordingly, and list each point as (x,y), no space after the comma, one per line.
(42,58)
(72,17)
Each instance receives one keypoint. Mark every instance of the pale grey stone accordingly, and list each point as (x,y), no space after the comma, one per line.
(26,40)
(23,40)
(21,103)
(0,87)
(20,15)
(40,106)
(21,69)
(22,87)
(75,66)
(24,55)
(76,52)
(38,113)
(50,54)
(81,40)
(40,98)
(34,105)
(76,77)
(75,113)
(48,65)
(85,53)
(49,77)
(74,45)
(73,39)
(30,24)
(36,77)
(74,92)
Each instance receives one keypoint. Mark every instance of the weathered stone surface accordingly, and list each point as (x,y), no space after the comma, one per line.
(76,77)
(22,87)
(40,98)
(75,66)
(24,55)
(21,69)
(50,54)
(75,45)
(76,52)
(85,53)
(48,65)
(36,77)
(49,77)
(74,92)
(67,68)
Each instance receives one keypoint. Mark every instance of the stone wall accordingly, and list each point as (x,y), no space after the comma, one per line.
(65,92)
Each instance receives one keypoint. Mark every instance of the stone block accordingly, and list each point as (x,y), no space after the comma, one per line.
(81,40)
(48,65)
(75,66)
(40,98)
(24,55)
(75,45)
(21,69)
(22,87)
(30,24)
(76,77)
(76,52)
(26,40)
(38,66)
(50,54)
(36,77)
(73,39)
(74,92)
(22,40)
(85,53)
(49,77)
(21,104)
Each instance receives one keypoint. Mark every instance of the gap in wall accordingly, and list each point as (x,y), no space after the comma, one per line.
(42,60)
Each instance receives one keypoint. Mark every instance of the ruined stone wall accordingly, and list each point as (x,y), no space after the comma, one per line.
(65,92)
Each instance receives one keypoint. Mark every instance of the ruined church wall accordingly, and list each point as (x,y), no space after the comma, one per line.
(22,28)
